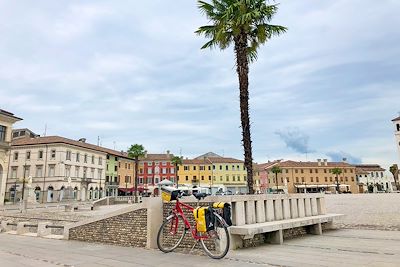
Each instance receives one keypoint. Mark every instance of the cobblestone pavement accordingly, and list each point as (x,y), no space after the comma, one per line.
(366,211)
(335,248)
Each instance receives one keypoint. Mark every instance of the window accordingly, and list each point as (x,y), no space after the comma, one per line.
(140,180)
(172,170)
(209,168)
(100,161)
(296,170)
(77,157)
(202,177)
(187,178)
(92,159)
(39,170)
(67,171)
(312,179)
(227,176)
(28,155)
(282,180)
(84,172)
(324,170)
(3,131)
(287,179)
(297,179)
(99,173)
(310,170)
(150,171)
(27,170)
(85,158)
(186,168)
(92,173)
(116,158)
(156,180)
(237,167)
(326,179)
(164,163)
(129,166)
(233,178)
(317,179)
(52,168)
(238,178)
(316,170)
(201,168)
(150,163)
(108,156)
(40,154)
(164,170)
(141,170)
(115,168)
(14,172)
(226,167)
(194,168)
(209,177)
(302,171)
(352,179)
(15,156)
(287,170)
(346,179)
(76,171)
(302,179)
(53,154)
(220,178)
(220,167)
(126,165)
(68,155)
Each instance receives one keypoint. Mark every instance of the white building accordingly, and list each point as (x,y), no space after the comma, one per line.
(50,161)
(397,133)
(7,120)
(372,176)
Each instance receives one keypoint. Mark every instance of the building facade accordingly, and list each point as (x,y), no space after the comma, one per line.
(371,178)
(396,123)
(217,173)
(112,181)
(126,175)
(309,177)
(153,168)
(7,120)
(50,162)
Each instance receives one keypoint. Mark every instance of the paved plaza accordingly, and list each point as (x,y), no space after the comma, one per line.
(369,235)
(334,248)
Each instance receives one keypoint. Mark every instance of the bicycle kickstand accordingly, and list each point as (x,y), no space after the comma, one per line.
(194,246)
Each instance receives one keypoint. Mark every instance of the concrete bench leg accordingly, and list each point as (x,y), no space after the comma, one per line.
(21,229)
(276,237)
(315,229)
(236,242)
(42,230)
(328,225)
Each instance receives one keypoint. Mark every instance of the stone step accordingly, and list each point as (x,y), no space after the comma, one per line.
(54,236)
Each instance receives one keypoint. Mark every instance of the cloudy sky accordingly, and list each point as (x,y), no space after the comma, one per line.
(132,72)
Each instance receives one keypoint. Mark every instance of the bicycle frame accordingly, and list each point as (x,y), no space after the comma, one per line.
(178,211)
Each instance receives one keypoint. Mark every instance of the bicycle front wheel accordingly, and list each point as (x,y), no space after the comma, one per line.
(171,233)
(216,242)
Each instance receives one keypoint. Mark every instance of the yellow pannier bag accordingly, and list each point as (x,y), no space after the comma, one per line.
(201,217)
(169,193)
(218,205)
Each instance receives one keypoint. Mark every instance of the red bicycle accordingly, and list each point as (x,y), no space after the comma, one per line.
(215,242)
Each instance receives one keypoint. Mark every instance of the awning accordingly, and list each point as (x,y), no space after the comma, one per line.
(132,189)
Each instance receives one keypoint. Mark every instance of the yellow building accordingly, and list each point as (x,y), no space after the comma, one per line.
(126,175)
(217,173)
(299,177)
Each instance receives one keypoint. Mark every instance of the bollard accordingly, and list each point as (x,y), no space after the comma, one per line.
(21,229)
(43,230)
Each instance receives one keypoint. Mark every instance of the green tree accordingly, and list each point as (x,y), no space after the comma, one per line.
(276,170)
(245,24)
(337,172)
(176,161)
(135,152)
(394,169)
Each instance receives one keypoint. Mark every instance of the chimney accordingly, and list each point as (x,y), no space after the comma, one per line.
(344,159)
(319,162)
(145,153)
(325,162)
(168,153)
(83,140)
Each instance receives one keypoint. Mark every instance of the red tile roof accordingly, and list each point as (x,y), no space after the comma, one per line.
(310,164)
(8,114)
(62,140)
(369,168)
(155,157)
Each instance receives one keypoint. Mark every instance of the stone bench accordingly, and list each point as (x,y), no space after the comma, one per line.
(275,228)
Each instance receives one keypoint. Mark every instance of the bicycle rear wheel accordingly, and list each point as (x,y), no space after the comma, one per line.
(216,242)
(171,233)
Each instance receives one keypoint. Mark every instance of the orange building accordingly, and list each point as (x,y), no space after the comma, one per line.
(299,177)
(126,175)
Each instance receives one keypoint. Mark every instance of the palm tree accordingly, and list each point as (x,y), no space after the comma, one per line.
(337,172)
(276,170)
(394,169)
(176,161)
(135,152)
(245,24)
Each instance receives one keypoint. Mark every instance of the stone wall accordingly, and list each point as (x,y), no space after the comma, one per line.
(128,229)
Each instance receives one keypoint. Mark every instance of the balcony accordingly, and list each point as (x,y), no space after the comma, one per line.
(112,183)
(87,180)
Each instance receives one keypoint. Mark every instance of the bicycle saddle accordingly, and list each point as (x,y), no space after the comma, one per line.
(199,196)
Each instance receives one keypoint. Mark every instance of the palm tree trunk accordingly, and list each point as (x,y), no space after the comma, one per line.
(242,69)
(177,177)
